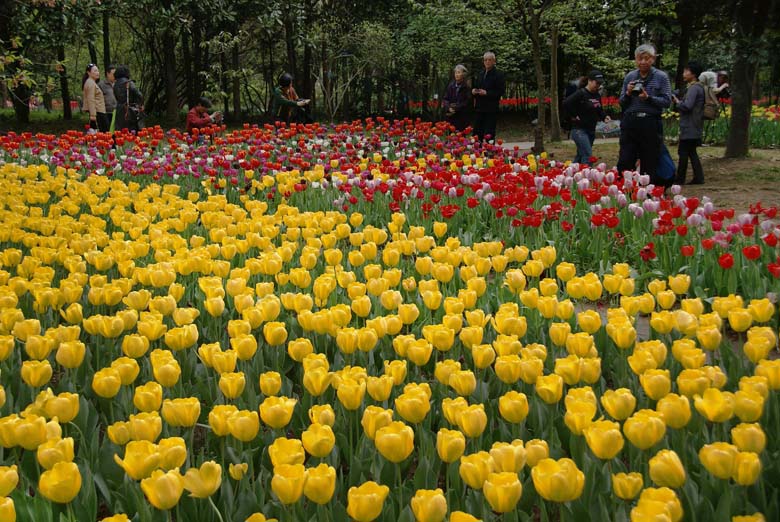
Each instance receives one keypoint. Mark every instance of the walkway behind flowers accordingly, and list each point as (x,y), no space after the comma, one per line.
(528,145)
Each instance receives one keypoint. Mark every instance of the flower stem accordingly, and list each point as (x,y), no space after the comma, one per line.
(214,507)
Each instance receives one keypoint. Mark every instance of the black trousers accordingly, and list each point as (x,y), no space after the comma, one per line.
(485,125)
(103,123)
(687,150)
(640,139)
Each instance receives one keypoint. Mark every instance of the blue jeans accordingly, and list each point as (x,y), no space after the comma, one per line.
(584,140)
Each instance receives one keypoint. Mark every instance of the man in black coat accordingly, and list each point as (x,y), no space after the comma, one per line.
(487,92)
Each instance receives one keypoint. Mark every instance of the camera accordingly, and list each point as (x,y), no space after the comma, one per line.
(639,86)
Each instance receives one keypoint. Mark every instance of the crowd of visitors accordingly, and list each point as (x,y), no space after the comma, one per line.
(115,103)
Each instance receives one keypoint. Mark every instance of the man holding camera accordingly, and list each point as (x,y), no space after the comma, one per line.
(646,93)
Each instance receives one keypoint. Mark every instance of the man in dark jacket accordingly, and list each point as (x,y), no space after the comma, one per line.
(645,94)
(585,108)
(691,124)
(487,93)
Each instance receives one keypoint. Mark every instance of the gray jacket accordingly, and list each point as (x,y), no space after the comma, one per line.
(692,113)
(108,95)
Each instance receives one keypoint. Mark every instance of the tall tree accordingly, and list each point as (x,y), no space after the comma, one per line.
(530,14)
(750,19)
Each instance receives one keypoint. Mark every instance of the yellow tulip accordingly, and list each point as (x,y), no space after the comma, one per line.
(318,440)
(627,485)
(550,388)
(350,393)
(288,482)
(472,420)
(604,439)
(232,384)
(181,412)
(237,471)
(106,382)
(513,407)
(37,373)
(277,412)
(320,484)
(656,383)
(719,458)
(145,426)
(450,445)
(429,505)
(163,489)
(64,406)
(747,468)
(502,491)
(749,437)
(475,468)
(395,441)
(242,424)
(663,498)
(508,457)
(715,405)
(644,428)
(53,451)
(271,383)
(558,481)
(666,469)
(7,509)
(675,410)
(9,478)
(204,481)
(61,483)
(286,451)
(365,502)
(141,458)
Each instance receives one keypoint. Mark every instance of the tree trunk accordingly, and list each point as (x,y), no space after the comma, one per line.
(555,121)
(633,42)
(659,51)
(308,57)
(289,39)
(21,99)
(750,18)
(106,41)
(223,80)
(685,18)
(169,64)
(67,113)
(738,140)
(236,66)
(536,49)
(189,86)
(93,57)
(197,61)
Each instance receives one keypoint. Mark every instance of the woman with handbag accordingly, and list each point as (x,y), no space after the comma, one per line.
(93,102)
(129,102)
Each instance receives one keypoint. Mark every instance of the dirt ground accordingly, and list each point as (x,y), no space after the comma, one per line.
(735,183)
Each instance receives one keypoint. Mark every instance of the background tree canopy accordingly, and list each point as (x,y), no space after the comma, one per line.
(359,58)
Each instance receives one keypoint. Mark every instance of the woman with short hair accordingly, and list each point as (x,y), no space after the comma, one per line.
(457,100)
(93,101)
(286,105)
(691,109)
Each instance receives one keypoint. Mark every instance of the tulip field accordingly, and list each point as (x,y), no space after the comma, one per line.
(376,321)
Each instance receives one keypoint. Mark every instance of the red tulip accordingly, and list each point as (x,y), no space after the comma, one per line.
(726,261)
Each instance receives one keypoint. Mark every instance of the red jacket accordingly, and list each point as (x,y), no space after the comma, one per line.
(196,121)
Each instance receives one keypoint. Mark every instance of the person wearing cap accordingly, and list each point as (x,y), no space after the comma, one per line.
(198,117)
(691,124)
(585,110)
(646,93)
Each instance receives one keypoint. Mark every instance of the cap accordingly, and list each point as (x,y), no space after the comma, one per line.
(596,75)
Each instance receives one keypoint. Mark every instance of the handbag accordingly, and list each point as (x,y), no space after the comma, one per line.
(133,111)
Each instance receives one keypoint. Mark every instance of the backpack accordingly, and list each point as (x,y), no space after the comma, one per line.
(711,104)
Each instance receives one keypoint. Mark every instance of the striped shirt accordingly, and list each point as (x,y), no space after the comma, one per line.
(659,92)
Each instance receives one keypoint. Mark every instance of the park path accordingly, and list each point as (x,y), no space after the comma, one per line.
(526,145)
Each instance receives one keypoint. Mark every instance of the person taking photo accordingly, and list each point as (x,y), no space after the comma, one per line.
(586,110)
